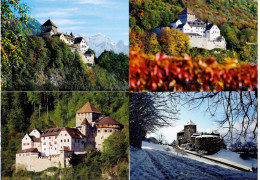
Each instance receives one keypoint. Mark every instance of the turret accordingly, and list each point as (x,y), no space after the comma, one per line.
(89,112)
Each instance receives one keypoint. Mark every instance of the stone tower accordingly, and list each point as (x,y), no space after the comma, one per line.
(49,28)
(88,112)
(189,129)
(186,16)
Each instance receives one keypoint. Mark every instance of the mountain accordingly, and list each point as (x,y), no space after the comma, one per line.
(100,42)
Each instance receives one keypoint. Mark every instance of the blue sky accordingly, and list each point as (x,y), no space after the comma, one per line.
(85,17)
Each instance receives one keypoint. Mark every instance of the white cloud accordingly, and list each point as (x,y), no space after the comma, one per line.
(56,13)
(94,2)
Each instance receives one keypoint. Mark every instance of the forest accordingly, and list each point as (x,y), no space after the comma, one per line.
(31,62)
(237,21)
(21,112)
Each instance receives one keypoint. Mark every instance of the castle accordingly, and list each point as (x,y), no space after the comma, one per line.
(54,146)
(207,143)
(76,43)
(201,34)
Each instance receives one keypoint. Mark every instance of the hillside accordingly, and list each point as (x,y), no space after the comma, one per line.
(237,21)
(21,112)
(48,64)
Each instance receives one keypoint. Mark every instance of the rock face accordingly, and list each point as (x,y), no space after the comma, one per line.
(208,144)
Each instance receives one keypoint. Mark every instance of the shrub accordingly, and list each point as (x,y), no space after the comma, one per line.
(164,73)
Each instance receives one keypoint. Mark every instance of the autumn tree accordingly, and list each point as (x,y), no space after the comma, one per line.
(12,12)
(173,42)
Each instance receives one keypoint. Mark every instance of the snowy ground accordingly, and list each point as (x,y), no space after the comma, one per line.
(154,162)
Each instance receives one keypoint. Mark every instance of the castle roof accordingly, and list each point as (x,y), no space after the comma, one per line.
(37,130)
(35,150)
(72,34)
(85,122)
(88,107)
(180,26)
(186,11)
(78,40)
(34,139)
(190,123)
(49,23)
(74,132)
(208,27)
(52,132)
(108,120)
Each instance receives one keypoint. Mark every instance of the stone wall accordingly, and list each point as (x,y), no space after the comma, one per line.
(201,42)
(33,162)
(208,144)
(188,131)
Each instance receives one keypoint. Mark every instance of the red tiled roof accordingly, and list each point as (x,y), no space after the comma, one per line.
(85,122)
(73,132)
(88,107)
(34,139)
(28,150)
(52,132)
(108,120)
(186,11)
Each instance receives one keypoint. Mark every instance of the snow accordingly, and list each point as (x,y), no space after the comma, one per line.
(233,158)
(190,123)
(203,136)
(162,162)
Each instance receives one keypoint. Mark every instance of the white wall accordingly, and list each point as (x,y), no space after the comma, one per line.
(35,133)
(27,142)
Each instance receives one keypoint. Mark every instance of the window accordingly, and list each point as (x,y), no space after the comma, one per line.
(105,130)
(98,130)
(55,142)
(44,149)
(65,134)
(60,140)
(44,143)
(64,140)
(68,140)
(49,137)
(110,130)
(27,143)
(43,138)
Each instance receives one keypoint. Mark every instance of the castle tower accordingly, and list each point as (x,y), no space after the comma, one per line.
(49,28)
(189,129)
(89,112)
(186,15)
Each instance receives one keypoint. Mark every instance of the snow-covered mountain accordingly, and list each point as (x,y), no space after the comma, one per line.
(100,42)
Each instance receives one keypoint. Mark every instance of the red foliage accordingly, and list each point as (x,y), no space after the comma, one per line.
(164,73)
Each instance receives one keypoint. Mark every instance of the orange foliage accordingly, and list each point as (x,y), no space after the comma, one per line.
(163,73)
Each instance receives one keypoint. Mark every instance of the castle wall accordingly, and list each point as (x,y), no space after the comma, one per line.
(102,134)
(27,142)
(35,133)
(88,59)
(204,43)
(188,131)
(209,144)
(33,162)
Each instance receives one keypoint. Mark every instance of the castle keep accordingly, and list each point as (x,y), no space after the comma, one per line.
(76,43)
(207,143)
(41,150)
(201,34)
